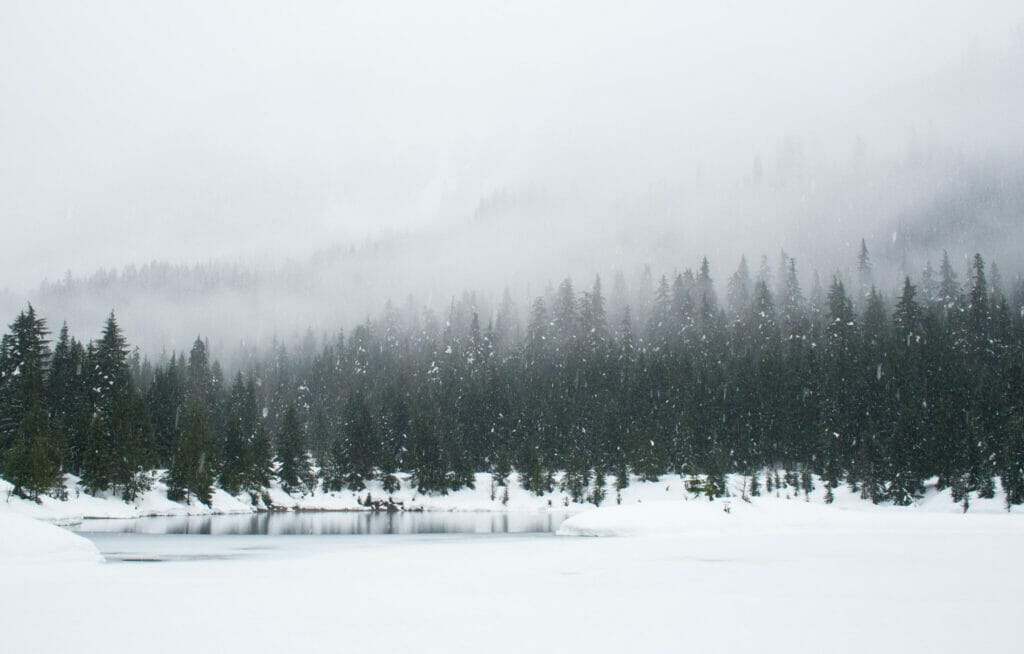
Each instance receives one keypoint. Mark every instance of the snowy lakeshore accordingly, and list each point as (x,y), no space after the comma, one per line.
(486,496)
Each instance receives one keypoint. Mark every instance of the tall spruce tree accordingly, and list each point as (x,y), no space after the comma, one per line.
(119,440)
(292,454)
(29,455)
(192,471)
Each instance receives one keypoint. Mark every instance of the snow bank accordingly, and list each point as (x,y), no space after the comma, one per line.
(485,496)
(81,504)
(24,540)
(637,519)
(698,515)
(788,513)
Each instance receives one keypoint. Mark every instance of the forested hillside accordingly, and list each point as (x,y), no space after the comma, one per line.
(758,377)
(908,208)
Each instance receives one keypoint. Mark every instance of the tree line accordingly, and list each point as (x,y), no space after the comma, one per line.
(846,384)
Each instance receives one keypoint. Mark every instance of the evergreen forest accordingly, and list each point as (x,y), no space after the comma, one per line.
(841,384)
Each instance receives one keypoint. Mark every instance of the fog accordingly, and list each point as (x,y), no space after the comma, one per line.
(317,159)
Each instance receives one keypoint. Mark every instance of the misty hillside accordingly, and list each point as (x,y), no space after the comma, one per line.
(908,211)
(292,178)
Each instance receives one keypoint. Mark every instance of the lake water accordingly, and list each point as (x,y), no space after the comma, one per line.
(219,537)
(333,523)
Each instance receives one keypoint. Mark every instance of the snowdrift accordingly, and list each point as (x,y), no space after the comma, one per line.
(24,540)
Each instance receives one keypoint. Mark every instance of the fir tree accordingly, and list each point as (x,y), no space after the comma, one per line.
(291,451)
(28,454)
(191,471)
(236,441)
(359,451)
(949,288)
(864,269)
(120,432)
(739,291)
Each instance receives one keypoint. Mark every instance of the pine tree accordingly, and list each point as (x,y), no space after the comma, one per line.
(593,321)
(791,303)
(996,293)
(907,316)
(840,415)
(1011,462)
(191,472)
(929,285)
(660,324)
(506,324)
(236,441)
(166,400)
(360,451)
(120,432)
(29,456)
(979,315)
(755,484)
(865,275)
(291,451)
(32,462)
(428,466)
(597,495)
(739,291)
(262,464)
(62,399)
(949,289)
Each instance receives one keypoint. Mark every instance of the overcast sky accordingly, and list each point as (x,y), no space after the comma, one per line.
(132,131)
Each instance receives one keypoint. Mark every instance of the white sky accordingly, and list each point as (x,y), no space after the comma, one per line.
(194,130)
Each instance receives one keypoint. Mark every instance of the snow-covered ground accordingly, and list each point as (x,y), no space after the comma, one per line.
(671,574)
(81,504)
(776,576)
(486,496)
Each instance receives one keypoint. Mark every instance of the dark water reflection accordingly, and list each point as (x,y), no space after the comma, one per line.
(333,524)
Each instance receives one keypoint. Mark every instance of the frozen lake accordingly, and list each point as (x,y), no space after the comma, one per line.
(777,576)
(183,538)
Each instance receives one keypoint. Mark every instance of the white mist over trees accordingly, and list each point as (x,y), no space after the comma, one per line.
(427,149)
